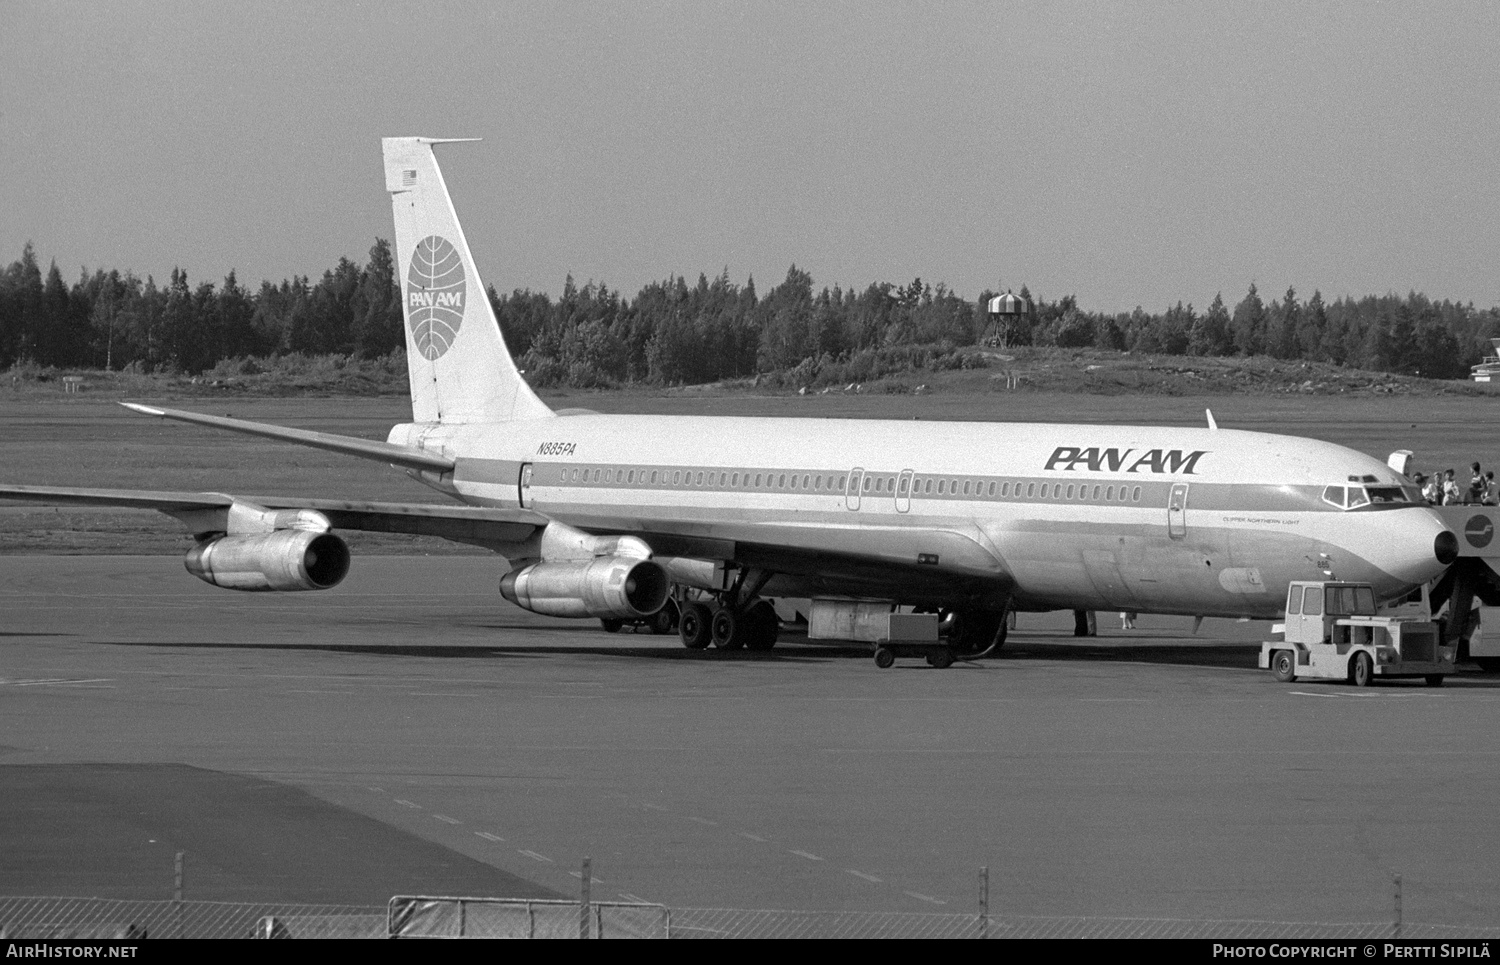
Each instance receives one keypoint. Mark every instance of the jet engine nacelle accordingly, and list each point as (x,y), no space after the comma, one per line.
(287,559)
(615,587)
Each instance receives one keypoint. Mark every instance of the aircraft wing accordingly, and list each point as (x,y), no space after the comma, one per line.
(408,457)
(479,525)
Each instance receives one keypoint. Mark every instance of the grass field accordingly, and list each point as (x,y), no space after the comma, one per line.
(86,441)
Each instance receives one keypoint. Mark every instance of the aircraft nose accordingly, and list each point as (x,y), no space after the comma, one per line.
(1445,547)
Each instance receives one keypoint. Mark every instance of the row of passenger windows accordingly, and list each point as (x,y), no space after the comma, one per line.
(836,483)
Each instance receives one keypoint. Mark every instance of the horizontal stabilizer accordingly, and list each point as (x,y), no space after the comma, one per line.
(408,457)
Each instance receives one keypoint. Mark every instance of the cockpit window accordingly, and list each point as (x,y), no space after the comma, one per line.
(1353,497)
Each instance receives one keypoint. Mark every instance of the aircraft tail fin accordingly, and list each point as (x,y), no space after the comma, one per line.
(459,366)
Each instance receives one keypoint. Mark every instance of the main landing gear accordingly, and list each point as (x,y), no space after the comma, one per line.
(732,620)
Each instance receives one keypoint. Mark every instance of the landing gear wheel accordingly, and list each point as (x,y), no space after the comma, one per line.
(940,659)
(1361,670)
(612,625)
(1435,679)
(693,625)
(884,658)
(664,621)
(762,626)
(726,629)
(1284,666)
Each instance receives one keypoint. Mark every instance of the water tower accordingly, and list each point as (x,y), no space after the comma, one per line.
(1005,311)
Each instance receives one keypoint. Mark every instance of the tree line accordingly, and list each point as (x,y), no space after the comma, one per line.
(671,332)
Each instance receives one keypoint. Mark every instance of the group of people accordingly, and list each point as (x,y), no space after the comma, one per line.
(1444,489)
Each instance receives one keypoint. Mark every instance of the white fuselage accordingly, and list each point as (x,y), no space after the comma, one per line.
(1034,516)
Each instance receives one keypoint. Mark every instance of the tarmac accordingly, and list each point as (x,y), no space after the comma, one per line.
(410,732)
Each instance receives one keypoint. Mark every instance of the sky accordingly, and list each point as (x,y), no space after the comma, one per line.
(1139,153)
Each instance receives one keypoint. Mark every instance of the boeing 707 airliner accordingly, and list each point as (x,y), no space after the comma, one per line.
(610,516)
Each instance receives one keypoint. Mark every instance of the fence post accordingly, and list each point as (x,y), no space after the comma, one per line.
(984,901)
(177,896)
(1396,926)
(583,900)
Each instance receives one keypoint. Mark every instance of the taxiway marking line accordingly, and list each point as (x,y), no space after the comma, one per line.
(861,874)
(489,837)
(447,820)
(534,856)
(706,821)
(927,898)
(752,837)
(806,854)
(408,804)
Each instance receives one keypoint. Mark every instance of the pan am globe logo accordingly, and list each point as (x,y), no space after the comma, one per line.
(435,288)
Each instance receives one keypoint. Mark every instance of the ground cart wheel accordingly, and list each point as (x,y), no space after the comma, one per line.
(1361,670)
(1284,666)
(941,659)
(884,657)
(1435,679)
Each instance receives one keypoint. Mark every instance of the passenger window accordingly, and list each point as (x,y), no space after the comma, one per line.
(781,481)
(992,489)
(867,483)
(700,479)
(928,487)
(1070,492)
(1312,601)
(1109,493)
(1005,489)
(942,486)
(1030,490)
(1096,492)
(966,487)
(1136,496)
(902,490)
(841,483)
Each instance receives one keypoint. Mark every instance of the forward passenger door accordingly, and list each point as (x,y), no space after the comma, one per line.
(1177,511)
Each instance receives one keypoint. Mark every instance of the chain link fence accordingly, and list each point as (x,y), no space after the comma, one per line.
(97,918)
